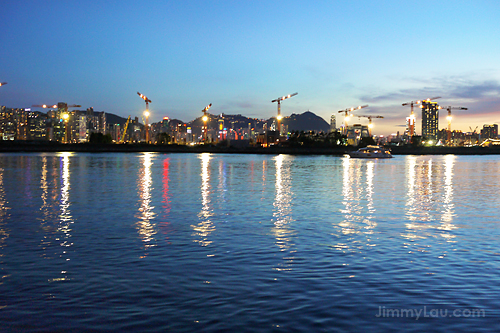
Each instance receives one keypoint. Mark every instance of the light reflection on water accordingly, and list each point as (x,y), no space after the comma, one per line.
(146,214)
(405,233)
(205,227)
(4,213)
(448,202)
(430,204)
(283,228)
(64,227)
(358,199)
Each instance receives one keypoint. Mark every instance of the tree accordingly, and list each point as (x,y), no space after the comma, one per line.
(416,140)
(100,138)
(163,138)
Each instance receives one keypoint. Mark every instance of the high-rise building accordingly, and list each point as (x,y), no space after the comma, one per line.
(22,129)
(102,123)
(333,123)
(37,125)
(489,132)
(430,120)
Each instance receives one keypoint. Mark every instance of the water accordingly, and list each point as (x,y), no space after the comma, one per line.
(185,242)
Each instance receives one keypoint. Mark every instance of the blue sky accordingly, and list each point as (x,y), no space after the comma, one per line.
(240,55)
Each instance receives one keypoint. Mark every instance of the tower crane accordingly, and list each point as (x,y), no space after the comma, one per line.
(45,106)
(205,119)
(449,108)
(125,130)
(473,134)
(205,110)
(370,125)
(55,106)
(278,118)
(346,111)
(411,119)
(147,100)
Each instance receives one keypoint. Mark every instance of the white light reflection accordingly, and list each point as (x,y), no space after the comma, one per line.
(419,198)
(359,208)
(449,207)
(222,188)
(205,227)
(411,197)
(430,185)
(44,186)
(283,209)
(264,181)
(369,221)
(50,207)
(351,188)
(4,232)
(65,218)
(146,229)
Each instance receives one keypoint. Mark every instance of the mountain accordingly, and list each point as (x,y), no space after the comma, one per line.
(113,118)
(306,121)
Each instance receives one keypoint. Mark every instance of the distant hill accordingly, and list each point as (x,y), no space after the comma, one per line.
(113,118)
(306,121)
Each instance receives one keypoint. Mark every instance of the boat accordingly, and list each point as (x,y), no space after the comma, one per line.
(371,152)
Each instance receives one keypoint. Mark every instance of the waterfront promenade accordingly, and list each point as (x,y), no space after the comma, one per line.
(36,146)
(27,146)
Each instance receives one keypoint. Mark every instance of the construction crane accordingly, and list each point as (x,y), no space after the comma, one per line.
(55,106)
(278,118)
(45,106)
(125,130)
(370,125)
(449,108)
(205,119)
(205,110)
(347,115)
(473,134)
(3,83)
(411,119)
(147,100)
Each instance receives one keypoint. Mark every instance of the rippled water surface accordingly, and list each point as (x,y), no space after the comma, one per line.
(185,242)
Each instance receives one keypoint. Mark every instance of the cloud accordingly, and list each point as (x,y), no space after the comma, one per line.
(479,95)
(475,90)
(453,90)
(244,105)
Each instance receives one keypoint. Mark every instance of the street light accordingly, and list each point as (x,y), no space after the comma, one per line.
(3,83)
(66,133)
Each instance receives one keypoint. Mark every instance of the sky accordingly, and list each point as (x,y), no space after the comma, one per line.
(240,55)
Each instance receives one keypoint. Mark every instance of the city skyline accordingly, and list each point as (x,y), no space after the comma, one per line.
(241,56)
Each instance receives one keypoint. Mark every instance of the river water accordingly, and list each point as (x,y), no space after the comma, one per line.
(206,242)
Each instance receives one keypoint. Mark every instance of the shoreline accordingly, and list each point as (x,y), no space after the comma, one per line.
(40,147)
